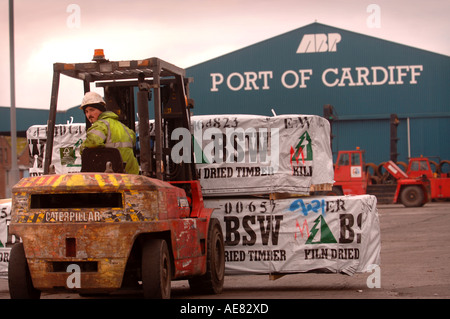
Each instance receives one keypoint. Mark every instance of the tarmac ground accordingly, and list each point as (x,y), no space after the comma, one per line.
(415,254)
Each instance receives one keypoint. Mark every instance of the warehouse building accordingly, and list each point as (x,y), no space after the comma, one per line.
(364,79)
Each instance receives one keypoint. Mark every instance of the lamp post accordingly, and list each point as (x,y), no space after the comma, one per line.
(14,172)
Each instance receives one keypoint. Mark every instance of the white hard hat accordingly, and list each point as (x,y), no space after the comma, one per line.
(92,98)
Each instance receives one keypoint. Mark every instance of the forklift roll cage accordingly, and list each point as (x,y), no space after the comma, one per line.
(119,80)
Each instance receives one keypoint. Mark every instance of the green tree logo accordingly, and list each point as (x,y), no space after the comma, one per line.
(322,232)
(303,149)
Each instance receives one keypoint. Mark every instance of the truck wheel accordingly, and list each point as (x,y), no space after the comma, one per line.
(412,196)
(19,278)
(156,269)
(212,281)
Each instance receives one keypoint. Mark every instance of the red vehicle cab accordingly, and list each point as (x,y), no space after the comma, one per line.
(440,185)
(419,166)
(349,173)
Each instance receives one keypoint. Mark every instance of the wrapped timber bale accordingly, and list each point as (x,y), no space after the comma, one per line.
(6,239)
(66,147)
(234,154)
(248,154)
(337,234)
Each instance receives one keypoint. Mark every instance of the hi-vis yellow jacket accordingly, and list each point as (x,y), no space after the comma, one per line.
(107,131)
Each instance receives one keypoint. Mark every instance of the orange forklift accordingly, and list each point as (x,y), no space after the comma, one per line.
(352,178)
(438,185)
(102,230)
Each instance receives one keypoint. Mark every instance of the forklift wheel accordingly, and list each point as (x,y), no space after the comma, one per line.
(412,196)
(212,281)
(156,269)
(19,278)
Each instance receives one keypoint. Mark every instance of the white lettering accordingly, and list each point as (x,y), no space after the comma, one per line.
(264,75)
(307,45)
(333,40)
(241,81)
(237,136)
(181,152)
(283,79)
(374,280)
(250,80)
(324,77)
(346,75)
(391,75)
(235,145)
(319,42)
(414,73)
(401,74)
(236,81)
(74,279)
(217,79)
(213,151)
(331,77)
(362,72)
(377,75)
(74,19)
(373,20)
(304,75)
(375,70)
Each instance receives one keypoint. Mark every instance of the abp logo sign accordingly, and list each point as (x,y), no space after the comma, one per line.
(319,42)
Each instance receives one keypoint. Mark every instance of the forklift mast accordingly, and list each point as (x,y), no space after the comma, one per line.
(151,78)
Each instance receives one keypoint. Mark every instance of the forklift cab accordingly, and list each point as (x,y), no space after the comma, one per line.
(349,172)
(419,166)
(127,84)
(349,165)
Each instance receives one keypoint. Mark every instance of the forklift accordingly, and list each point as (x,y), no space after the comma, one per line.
(351,178)
(102,230)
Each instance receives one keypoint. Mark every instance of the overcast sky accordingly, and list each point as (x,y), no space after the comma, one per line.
(186,32)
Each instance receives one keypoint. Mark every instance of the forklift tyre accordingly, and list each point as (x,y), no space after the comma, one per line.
(19,278)
(212,281)
(412,196)
(156,269)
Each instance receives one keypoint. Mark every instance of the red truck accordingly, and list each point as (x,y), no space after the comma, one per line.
(414,188)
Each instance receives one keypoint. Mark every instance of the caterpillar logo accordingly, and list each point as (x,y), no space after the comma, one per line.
(320,42)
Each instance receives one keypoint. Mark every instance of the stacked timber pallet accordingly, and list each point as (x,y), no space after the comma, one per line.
(234,154)
(239,155)
(258,173)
